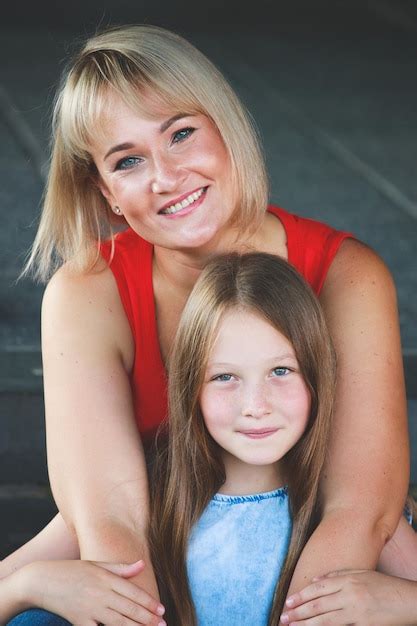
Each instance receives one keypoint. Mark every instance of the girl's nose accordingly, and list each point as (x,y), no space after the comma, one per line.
(167,176)
(255,402)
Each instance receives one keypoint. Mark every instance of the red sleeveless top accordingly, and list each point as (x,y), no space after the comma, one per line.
(311,245)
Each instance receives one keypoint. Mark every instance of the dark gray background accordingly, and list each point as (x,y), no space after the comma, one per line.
(332,86)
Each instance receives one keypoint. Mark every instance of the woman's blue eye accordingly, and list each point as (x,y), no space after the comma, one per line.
(281,371)
(127,163)
(182,134)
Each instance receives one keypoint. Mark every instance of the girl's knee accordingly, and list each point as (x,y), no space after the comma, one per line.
(38,617)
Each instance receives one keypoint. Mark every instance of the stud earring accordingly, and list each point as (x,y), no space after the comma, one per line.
(117,210)
(154,187)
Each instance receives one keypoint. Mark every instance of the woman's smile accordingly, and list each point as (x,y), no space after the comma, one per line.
(185,204)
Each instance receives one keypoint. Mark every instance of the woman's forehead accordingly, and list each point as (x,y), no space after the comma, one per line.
(116,117)
(141,102)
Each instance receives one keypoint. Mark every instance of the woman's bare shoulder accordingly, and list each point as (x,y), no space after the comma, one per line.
(356,265)
(88,303)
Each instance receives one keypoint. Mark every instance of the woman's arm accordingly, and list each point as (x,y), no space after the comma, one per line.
(54,542)
(82,592)
(367,472)
(95,456)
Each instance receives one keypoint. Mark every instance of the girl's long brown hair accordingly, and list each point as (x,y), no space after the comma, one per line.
(189,469)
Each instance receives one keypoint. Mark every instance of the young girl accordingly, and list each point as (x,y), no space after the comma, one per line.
(235,496)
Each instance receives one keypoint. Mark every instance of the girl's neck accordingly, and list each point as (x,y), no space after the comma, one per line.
(245,480)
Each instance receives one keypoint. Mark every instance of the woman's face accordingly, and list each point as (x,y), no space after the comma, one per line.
(169,174)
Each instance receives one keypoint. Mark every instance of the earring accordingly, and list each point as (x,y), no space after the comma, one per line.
(154,187)
(117,210)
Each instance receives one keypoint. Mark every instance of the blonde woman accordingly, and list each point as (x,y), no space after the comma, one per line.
(148,135)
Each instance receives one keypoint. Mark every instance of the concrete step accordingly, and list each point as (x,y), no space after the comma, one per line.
(25,510)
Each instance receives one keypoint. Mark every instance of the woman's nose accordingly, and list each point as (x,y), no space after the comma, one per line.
(167,176)
(255,402)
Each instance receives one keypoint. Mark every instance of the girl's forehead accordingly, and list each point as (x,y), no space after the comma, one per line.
(240,329)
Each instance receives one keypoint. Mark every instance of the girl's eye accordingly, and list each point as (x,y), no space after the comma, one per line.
(280,371)
(182,134)
(127,163)
(223,378)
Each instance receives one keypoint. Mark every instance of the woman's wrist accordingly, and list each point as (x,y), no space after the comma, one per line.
(17,593)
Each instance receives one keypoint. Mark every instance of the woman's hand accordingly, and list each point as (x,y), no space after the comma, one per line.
(87,592)
(353,597)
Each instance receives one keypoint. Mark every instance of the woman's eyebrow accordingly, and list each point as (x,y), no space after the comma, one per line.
(118,148)
(165,125)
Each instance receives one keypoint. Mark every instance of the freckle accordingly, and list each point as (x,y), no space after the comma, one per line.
(110,310)
(61,353)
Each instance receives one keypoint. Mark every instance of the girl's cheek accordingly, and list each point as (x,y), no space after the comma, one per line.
(217,407)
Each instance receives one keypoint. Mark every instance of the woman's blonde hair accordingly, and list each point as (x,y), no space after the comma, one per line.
(189,469)
(130,61)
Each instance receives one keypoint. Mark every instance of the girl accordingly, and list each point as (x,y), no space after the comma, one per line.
(251,381)
(235,489)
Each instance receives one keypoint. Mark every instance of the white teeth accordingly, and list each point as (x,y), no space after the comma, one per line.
(186,202)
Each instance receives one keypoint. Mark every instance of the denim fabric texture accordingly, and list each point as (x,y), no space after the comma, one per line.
(235,555)
(38,617)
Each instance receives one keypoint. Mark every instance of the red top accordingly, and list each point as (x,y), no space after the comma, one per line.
(311,245)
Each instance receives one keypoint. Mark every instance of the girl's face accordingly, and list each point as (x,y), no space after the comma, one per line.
(254,400)
(169,174)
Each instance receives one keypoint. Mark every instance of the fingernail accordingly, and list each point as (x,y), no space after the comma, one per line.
(162,624)
(284,618)
(160,610)
(317,578)
(290,601)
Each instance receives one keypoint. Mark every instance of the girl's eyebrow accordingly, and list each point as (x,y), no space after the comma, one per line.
(164,126)
(278,357)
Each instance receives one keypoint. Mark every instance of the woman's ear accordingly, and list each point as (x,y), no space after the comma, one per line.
(98,182)
(102,187)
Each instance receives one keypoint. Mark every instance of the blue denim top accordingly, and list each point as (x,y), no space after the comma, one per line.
(235,554)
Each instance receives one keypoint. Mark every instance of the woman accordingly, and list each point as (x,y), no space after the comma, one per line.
(149,134)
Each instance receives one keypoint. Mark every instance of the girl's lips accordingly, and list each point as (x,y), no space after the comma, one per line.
(258,434)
